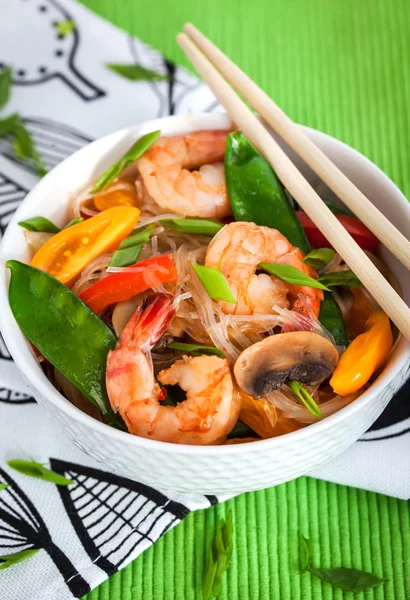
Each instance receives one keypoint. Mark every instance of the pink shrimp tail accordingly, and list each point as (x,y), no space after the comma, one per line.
(149,321)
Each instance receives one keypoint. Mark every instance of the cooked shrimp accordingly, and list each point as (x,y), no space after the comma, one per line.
(168,171)
(238,248)
(211,408)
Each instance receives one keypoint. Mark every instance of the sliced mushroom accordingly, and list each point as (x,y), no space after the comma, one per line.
(301,355)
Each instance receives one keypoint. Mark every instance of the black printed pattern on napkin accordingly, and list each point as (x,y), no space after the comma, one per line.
(54,142)
(58,59)
(11,194)
(22,528)
(113,515)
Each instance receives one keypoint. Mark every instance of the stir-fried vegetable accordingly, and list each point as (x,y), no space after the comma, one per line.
(255,192)
(304,396)
(64,330)
(364,356)
(258,415)
(215,283)
(123,194)
(138,236)
(335,278)
(126,160)
(119,287)
(359,232)
(199,226)
(67,253)
(126,256)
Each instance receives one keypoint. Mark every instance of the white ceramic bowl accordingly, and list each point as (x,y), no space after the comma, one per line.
(209,469)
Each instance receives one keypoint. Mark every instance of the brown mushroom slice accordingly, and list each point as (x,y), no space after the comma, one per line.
(301,355)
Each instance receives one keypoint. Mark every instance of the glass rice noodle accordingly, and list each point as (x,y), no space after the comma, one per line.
(201,320)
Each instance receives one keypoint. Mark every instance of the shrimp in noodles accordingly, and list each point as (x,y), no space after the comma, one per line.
(237,250)
(168,170)
(211,408)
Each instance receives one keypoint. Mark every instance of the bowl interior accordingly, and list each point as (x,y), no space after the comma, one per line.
(50,197)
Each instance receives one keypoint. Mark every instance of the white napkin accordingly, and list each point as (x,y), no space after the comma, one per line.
(97,525)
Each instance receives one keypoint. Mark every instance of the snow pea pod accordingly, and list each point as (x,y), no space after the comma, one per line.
(331,318)
(255,192)
(68,333)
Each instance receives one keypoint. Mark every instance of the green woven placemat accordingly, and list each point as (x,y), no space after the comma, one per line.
(342,67)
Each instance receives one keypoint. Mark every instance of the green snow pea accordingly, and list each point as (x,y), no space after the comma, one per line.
(255,192)
(69,334)
(257,195)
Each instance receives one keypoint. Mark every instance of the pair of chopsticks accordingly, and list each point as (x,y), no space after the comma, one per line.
(216,69)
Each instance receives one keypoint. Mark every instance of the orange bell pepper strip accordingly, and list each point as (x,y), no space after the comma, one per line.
(260,415)
(121,193)
(66,254)
(364,356)
(133,280)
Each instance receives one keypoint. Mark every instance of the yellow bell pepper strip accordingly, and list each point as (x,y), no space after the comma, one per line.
(116,194)
(66,254)
(364,355)
(260,415)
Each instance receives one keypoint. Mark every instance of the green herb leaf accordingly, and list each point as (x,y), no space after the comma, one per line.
(74,222)
(319,258)
(64,28)
(13,559)
(218,557)
(304,396)
(350,580)
(196,349)
(35,469)
(3,486)
(25,148)
(305,553)
(198,226)
(138,236)
(291,275)
(136,72)
(39,224)
(126,160)
(340,278)
(5,86)
(215,283)
(8,124)
(126,256)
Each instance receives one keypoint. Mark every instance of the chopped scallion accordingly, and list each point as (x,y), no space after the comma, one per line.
(39,224)
(214,283)
(126,256)
(197,226)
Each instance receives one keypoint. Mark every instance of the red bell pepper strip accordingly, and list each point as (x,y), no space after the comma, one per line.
(122,286)
(359,232)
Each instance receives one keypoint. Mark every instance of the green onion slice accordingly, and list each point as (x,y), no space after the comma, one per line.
(126,160)
(196,349)
(215,283)
(198,226)
(340,278)
(74,222)
(125,257)
(39,224)
(319,258)
(304,396)
(138,236)
(291,275)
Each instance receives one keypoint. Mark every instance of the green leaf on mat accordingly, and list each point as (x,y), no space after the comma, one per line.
(13,559)
(5,86)
(3,486)
(218,558)
(350,580)
(31,468)
(135,72)
(64,28)
(305,553)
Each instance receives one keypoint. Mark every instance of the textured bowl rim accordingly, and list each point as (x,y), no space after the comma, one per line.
(19,347)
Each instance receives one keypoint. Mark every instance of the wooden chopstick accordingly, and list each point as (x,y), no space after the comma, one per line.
(300,189)
(337,181)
